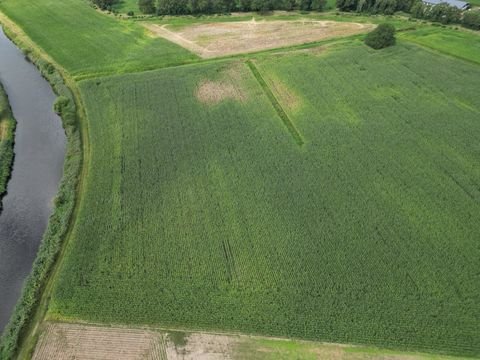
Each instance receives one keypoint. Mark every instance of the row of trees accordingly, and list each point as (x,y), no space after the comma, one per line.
(180,7)
(104,4)
(445,14)
(442,13)
(387,7)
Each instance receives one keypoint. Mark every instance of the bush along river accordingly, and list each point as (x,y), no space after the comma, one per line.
(40,145)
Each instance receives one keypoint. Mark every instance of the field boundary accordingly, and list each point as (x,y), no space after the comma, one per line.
(276,104)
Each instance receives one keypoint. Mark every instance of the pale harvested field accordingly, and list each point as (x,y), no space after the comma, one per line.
(69,341)
(60,341)
(229,38)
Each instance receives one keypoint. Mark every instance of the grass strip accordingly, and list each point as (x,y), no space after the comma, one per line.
(278,108)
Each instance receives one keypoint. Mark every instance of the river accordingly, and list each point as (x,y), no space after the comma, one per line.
(39,154)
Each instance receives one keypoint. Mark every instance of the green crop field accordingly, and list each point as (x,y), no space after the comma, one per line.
(328,193)
(201,210)
(88,43)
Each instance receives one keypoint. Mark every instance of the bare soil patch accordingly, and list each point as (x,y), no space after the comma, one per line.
(228,38)
(229,85)
(61,341)
(201,346)
(71,341)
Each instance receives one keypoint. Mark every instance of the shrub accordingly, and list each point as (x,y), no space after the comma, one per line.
(382,37)
(471,19)
(61,103)
(130,13)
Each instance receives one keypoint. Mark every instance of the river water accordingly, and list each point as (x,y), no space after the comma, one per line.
(39,154)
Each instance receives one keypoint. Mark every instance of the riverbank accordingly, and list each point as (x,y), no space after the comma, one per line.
(7,134)
(22,322)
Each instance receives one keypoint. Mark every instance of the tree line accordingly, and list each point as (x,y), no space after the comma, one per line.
(442,13)
(104,4)
(183,7)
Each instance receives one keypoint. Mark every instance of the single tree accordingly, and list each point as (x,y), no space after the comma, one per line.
(382,37)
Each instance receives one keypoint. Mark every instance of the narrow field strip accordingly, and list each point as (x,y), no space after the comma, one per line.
(62,341)
(276,104)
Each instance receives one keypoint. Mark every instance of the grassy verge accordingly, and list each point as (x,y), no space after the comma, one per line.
(462,44)
(7,133)
(179,22)
(64,202)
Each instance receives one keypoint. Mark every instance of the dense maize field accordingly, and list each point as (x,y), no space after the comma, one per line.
(201,211)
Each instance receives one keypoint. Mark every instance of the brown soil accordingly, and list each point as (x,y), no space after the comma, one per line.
(69,341)
(81,342)
(203,347)
(220,39)
(60,341)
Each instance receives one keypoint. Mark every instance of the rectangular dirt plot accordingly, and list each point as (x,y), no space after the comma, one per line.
(228,38)
(80,342)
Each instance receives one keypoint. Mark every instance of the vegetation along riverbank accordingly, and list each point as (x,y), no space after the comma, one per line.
(64,201)
(7,133)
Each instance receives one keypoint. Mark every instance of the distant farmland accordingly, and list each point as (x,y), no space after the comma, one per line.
(201,210)
(88,43)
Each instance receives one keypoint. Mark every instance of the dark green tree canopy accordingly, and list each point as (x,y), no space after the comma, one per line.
(471,19)
(177,7)
(382,37)
(147,6)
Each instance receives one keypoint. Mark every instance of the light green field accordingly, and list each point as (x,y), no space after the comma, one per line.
(275,349)
(89,43)
(202,211)
(459,43)
(124,6)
